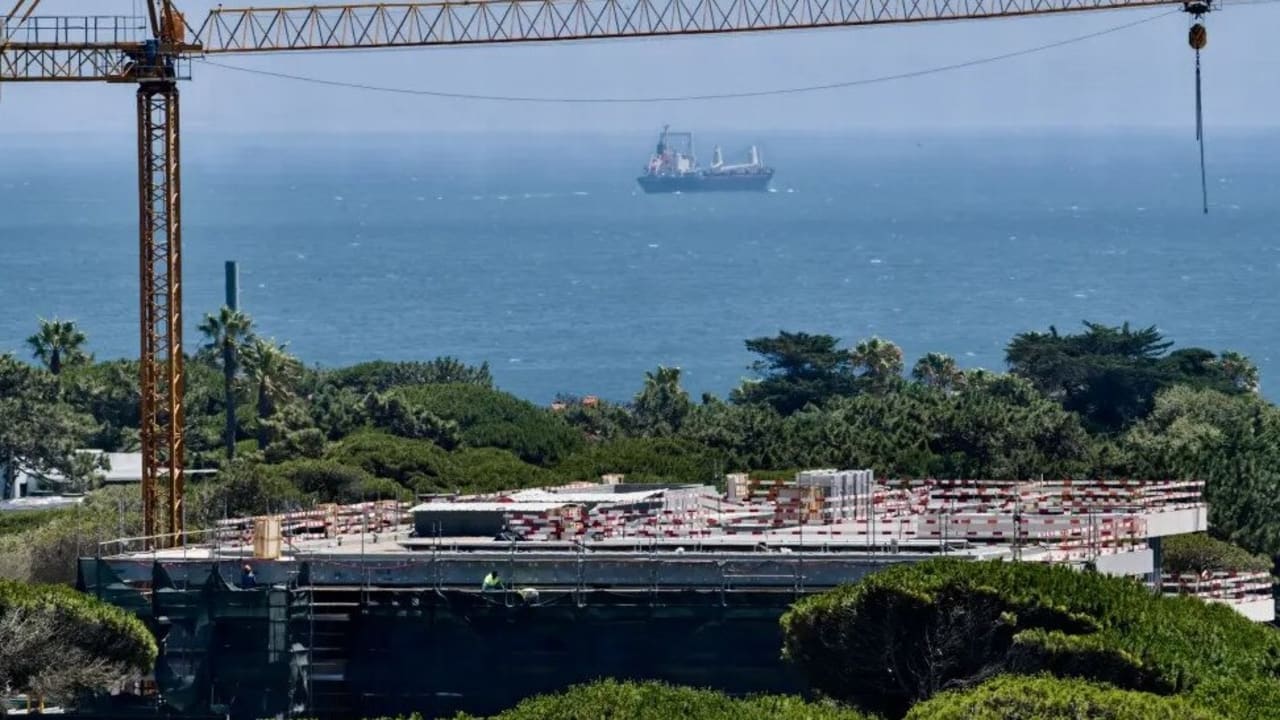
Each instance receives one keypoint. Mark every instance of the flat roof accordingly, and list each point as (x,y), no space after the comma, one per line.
(525,496)
(463,506)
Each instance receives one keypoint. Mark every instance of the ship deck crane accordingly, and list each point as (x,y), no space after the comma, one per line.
(154,59)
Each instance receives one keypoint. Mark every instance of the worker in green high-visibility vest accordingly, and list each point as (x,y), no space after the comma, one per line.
(492,581)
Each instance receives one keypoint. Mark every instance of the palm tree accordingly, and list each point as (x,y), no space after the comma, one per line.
(274,374)
(662,405)
(227,332)
(880,360)
(59,344)
(937,370)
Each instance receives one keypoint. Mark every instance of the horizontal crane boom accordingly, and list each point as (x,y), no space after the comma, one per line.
(335,27)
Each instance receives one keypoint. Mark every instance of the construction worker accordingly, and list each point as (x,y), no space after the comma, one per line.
(492,581)
(247,579)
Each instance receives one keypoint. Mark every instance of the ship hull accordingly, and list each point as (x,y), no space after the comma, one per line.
(704,182)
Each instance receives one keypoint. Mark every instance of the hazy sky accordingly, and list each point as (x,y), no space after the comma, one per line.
(1140,76)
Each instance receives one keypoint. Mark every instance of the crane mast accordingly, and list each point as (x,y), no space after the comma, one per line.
(113,49)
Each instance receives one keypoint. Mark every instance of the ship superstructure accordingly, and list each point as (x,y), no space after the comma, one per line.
(674,168)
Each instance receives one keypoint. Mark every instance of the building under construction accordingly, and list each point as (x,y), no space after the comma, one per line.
(379,608)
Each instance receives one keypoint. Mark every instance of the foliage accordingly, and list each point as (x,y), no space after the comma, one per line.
(1111,375)
(108,392)
(661,406)
(38,432)
(1049,698)
(645,460)
(58,344)
(797,369)
(880,362)
(274,375)
(993,426)
(337,411)
(381,376)
(490,418)
(746,436)
(481,470)
(305,443)
(1197,553)
(1232,443)
(595,419)
(60,643)
(909,632)
(227,333)
(391,413)
(1240,698)
(938,371)
(247,488)
(614,700)
(206,410)
(15,522)
(416,464)
(327,480)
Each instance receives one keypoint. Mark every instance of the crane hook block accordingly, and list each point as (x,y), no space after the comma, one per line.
(1198,37)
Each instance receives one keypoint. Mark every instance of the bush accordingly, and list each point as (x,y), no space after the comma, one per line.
(614,700)
(379,489)
(1048,698)
(59,643)
(905,633)
(1197,552)
(14,522)
(1256,699)
(47,552)
(329,481)
(246,488)
(490,418)
(490,470)
(645,460)
(416,464)
(380,376)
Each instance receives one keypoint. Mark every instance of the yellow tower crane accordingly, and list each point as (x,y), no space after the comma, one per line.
(95,48)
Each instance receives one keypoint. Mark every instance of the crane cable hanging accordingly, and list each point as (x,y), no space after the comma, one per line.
(1198,37)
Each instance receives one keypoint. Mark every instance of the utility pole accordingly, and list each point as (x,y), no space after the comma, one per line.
(233,285)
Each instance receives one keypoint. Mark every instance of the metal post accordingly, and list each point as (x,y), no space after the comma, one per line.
(233,285)
(160,286)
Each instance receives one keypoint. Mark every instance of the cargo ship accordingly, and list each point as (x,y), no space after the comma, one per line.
(674,169)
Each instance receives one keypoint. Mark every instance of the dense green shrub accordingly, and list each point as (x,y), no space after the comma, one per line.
(1197,552)
(57,642)
(247,488)
(416,464)
(908,632)
(1240,699)
(12,523)
(491,418)
(1047,698)
(614,700)
(380,375)
(1232,443)
(645,460)
(490,470)
(327,480)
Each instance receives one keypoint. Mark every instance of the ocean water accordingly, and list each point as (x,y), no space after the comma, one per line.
(538,254)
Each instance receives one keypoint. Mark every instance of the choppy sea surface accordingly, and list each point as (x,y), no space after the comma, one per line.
(539,255)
